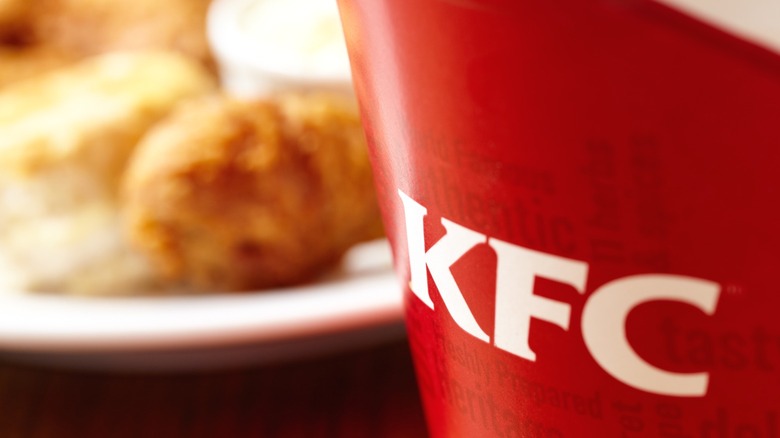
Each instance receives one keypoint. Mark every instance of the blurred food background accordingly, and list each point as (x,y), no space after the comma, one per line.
(183,145)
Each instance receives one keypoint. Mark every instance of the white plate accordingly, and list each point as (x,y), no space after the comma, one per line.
(361,304)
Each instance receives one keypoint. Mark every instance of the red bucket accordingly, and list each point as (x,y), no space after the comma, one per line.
(582,198)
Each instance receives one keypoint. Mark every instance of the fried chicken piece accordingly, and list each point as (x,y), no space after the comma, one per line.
(15,22)
(66,137)
(12,10)
(18,63)
(97,26)
(12,15)
(97,103)
(232,195)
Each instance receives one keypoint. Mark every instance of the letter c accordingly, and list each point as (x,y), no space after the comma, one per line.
(604,329)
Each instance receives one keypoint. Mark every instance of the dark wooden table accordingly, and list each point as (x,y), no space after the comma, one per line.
(363,393)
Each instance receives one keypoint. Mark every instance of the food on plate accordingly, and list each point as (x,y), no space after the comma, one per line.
(89,27)
(17,63)
(66,138)
(228,194)
(13,15)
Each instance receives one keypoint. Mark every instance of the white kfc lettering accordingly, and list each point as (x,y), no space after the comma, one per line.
(457,242)
(604,329)
(604,314)
(516,303)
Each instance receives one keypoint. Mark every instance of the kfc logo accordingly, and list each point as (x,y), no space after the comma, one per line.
(604,313)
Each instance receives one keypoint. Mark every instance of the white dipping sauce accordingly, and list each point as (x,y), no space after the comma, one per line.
(297,36)
(266,46)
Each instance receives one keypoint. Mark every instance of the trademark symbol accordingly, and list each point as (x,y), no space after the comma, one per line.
(734,289)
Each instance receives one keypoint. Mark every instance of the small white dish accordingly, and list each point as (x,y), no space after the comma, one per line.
(266,46)
(359,305)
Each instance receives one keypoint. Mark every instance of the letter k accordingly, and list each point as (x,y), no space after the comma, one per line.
(438,259)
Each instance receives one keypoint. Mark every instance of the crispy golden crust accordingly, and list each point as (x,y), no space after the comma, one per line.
(19,62)
(90,27)
(102,104)
(238,195)
(14,17)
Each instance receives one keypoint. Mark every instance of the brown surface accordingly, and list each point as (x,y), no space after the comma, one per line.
(366,393)
(89,27)
(237,195)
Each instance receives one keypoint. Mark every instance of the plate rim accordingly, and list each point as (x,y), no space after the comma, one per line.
(355,300)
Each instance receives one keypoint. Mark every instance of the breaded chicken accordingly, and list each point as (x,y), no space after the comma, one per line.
(98,26)
(19,63)
(231,195)
(15,21)
(93,106)
(66,137)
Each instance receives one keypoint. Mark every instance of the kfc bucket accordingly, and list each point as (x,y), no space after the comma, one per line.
(582,197)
